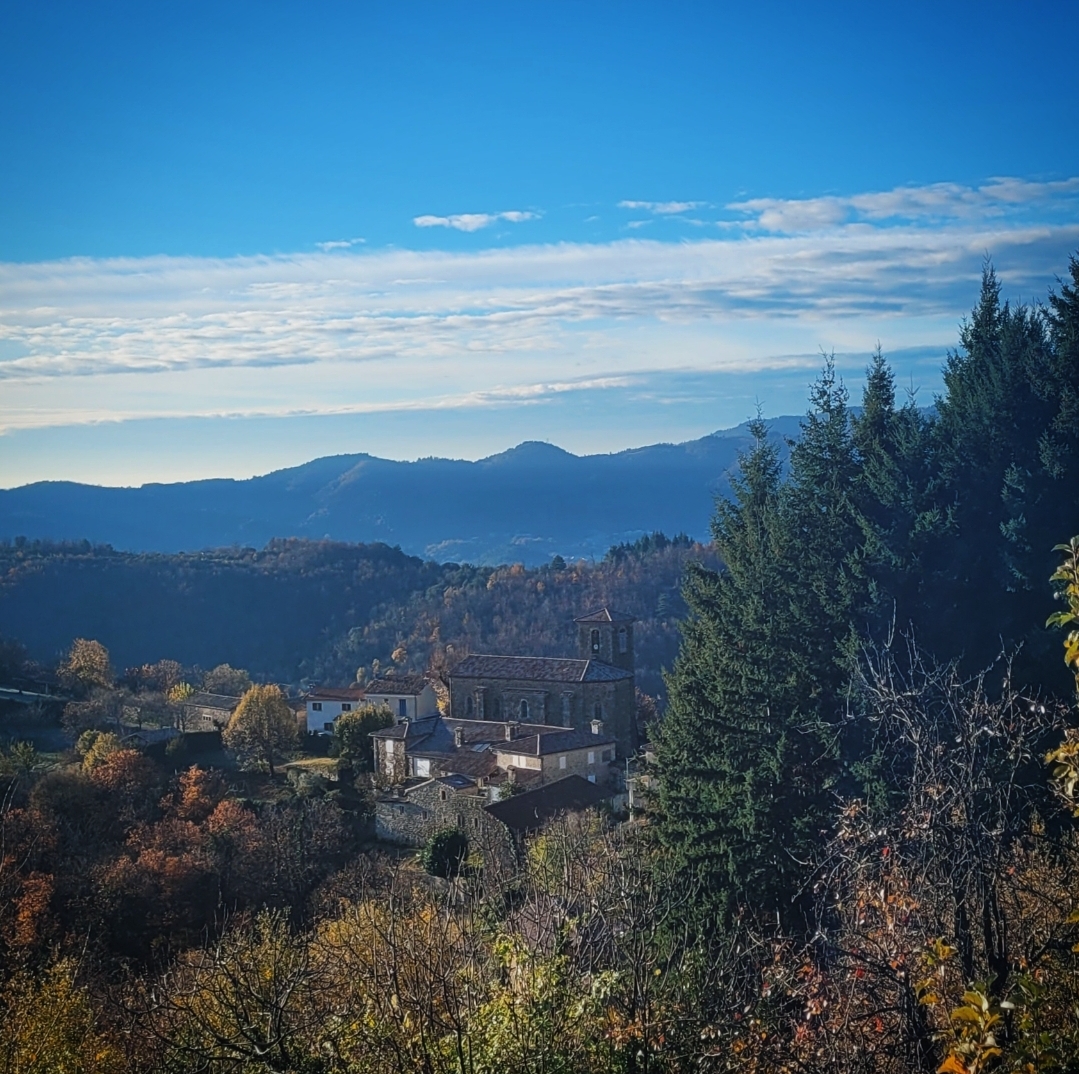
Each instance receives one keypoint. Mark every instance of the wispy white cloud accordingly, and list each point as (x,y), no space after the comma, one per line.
(474,221)
(397,329)
(927,205)
(338,244)
(662,208)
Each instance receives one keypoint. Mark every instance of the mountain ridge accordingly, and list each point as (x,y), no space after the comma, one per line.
(525,504)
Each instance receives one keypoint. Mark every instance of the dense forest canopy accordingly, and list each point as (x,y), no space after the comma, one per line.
(860,850)
(321,610)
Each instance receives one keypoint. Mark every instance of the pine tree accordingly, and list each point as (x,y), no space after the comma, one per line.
(749,751)
(1007,438)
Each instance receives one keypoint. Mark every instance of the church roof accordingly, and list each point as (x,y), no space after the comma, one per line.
(537,669)
(605,615)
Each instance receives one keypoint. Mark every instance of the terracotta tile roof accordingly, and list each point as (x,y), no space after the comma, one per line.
(605,615)
(396,685)
(537,669)
(530,810)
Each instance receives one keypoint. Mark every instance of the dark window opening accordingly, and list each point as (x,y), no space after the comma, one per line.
(524,709)
(402,707)
(469,707)
(623,640)
(595,641)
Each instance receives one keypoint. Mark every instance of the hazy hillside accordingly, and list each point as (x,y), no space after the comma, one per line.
(523,505)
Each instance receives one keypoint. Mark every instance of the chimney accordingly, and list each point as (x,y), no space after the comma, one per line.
(511,732)
(597,727)
(458,737)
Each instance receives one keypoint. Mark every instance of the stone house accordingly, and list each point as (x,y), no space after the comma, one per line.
(490,752)
(408,697)
(324,705)
(597,685)
(203,711)
(411,813)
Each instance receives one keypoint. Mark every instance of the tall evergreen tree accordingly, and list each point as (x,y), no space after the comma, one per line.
(1007,441)
(750,750)
(897,511)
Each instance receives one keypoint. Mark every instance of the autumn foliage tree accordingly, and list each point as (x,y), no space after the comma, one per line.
(262,728)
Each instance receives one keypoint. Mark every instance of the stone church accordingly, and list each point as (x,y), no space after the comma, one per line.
(597,685)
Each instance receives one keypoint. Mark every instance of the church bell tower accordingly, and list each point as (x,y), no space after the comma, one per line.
(607,636)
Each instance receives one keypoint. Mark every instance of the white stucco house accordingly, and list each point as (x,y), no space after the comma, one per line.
(324,705)
(408,697)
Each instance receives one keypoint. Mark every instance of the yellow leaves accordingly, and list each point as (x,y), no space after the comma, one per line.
(1068,573)
(966,1014)
(952,1065)
(49,1026)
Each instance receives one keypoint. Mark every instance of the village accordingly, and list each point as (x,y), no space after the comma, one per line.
(501,746)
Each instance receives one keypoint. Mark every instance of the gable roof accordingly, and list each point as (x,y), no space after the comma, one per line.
(547,742)
(434,736)
(203,700)
(329,693)
(396,686)
(531,809)
(605,615)
(537,669)
(410,731)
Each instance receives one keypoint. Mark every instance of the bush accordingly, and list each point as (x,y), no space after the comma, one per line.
(445,853)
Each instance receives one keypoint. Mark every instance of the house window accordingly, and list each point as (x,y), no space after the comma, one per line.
(346,706)
(421,766)
(460,820)
(442,794)
(402,708)
(470,707)
(591,756)
(327,727)
(623,640)
(595,641)
(565,709)
(425,814)
(561,762)
(598,711)
(524,709)
(316,706)
(389,747)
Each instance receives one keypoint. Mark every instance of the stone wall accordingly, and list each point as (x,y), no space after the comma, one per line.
(411,819)
(571,704)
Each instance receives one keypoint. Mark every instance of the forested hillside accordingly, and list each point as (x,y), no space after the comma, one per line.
(321,610)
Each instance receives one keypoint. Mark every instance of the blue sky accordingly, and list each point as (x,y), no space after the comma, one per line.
(237,236)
